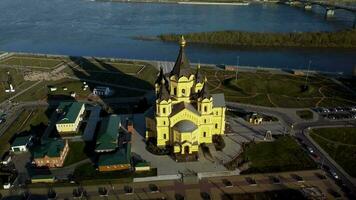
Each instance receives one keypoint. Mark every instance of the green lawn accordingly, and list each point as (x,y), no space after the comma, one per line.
(28,120)
(17,81)
(102,65)
(277,90)
(283,154)
(76,153)
(305,114)
(42,92)
(32,61)
(340,144)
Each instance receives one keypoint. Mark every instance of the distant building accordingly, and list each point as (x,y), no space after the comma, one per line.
(107,140)
(21,144)
(43,178)
(255,118)
(142,166)
(298,72)
(70,117)
(113,146)
(186,114)
(231,68)
(102,91)
(52,89)
(50,153)
(118,160)
(73,94)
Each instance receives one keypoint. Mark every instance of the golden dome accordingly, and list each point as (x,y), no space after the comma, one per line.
(182,41)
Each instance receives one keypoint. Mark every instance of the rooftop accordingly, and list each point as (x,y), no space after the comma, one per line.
(185,126)
(70,111)
(108,134)
(218,100)
(120,156)
(182,65)
(21,140)
(50,147)
(183,105)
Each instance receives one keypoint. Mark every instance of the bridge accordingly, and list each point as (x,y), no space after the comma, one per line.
(329,7)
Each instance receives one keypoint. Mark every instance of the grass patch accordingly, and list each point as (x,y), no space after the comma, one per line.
(130,67)
(76,153)
(340,144)
(18,82)
(269,89)
(32,61)
(283,154)
(41,91)
(305,114)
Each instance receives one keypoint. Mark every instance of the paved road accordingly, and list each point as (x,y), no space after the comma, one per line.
(191,189)
(300,128)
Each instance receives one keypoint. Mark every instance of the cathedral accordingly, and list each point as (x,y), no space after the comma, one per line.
(186,114)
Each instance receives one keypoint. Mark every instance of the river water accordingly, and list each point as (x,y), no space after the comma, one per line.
(89,28)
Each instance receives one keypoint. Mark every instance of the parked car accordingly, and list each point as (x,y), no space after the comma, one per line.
(311,150)
(334,174)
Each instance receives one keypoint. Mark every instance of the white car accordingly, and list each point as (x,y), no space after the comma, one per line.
(311,150)
(334,174)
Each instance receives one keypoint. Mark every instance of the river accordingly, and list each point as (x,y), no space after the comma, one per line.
(89,28)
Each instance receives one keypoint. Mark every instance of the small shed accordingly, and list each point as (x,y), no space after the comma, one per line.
(21,143)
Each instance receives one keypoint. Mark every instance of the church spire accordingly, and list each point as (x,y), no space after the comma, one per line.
(182,65)
(198,75)
(204,93)
(163,93)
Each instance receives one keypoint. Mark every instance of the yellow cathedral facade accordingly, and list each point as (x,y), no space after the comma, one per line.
(186,114)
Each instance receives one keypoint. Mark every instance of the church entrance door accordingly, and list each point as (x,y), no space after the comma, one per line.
(186,150)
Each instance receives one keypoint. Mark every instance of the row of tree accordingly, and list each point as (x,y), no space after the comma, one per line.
(341,39)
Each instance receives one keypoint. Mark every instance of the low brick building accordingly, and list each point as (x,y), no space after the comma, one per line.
(115,161)
(50,153)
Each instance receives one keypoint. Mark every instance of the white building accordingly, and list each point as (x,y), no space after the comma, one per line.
(102,91)
(21,144)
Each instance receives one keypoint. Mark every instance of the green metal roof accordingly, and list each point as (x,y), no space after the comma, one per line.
(71,111)
(108,134)
(50,147)
(119,157)
(21,140)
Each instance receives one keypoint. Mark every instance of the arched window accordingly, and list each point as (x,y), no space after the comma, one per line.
(216,125)
(164,122)
(175,91)
(204,120)
(183,91)
(204,134)
(164,110)
(164,136)
(205,108)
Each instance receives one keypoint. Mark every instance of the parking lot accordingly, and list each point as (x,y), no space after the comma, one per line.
(337,113)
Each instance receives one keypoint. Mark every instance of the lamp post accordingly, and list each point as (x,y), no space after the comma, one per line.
(237,66)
